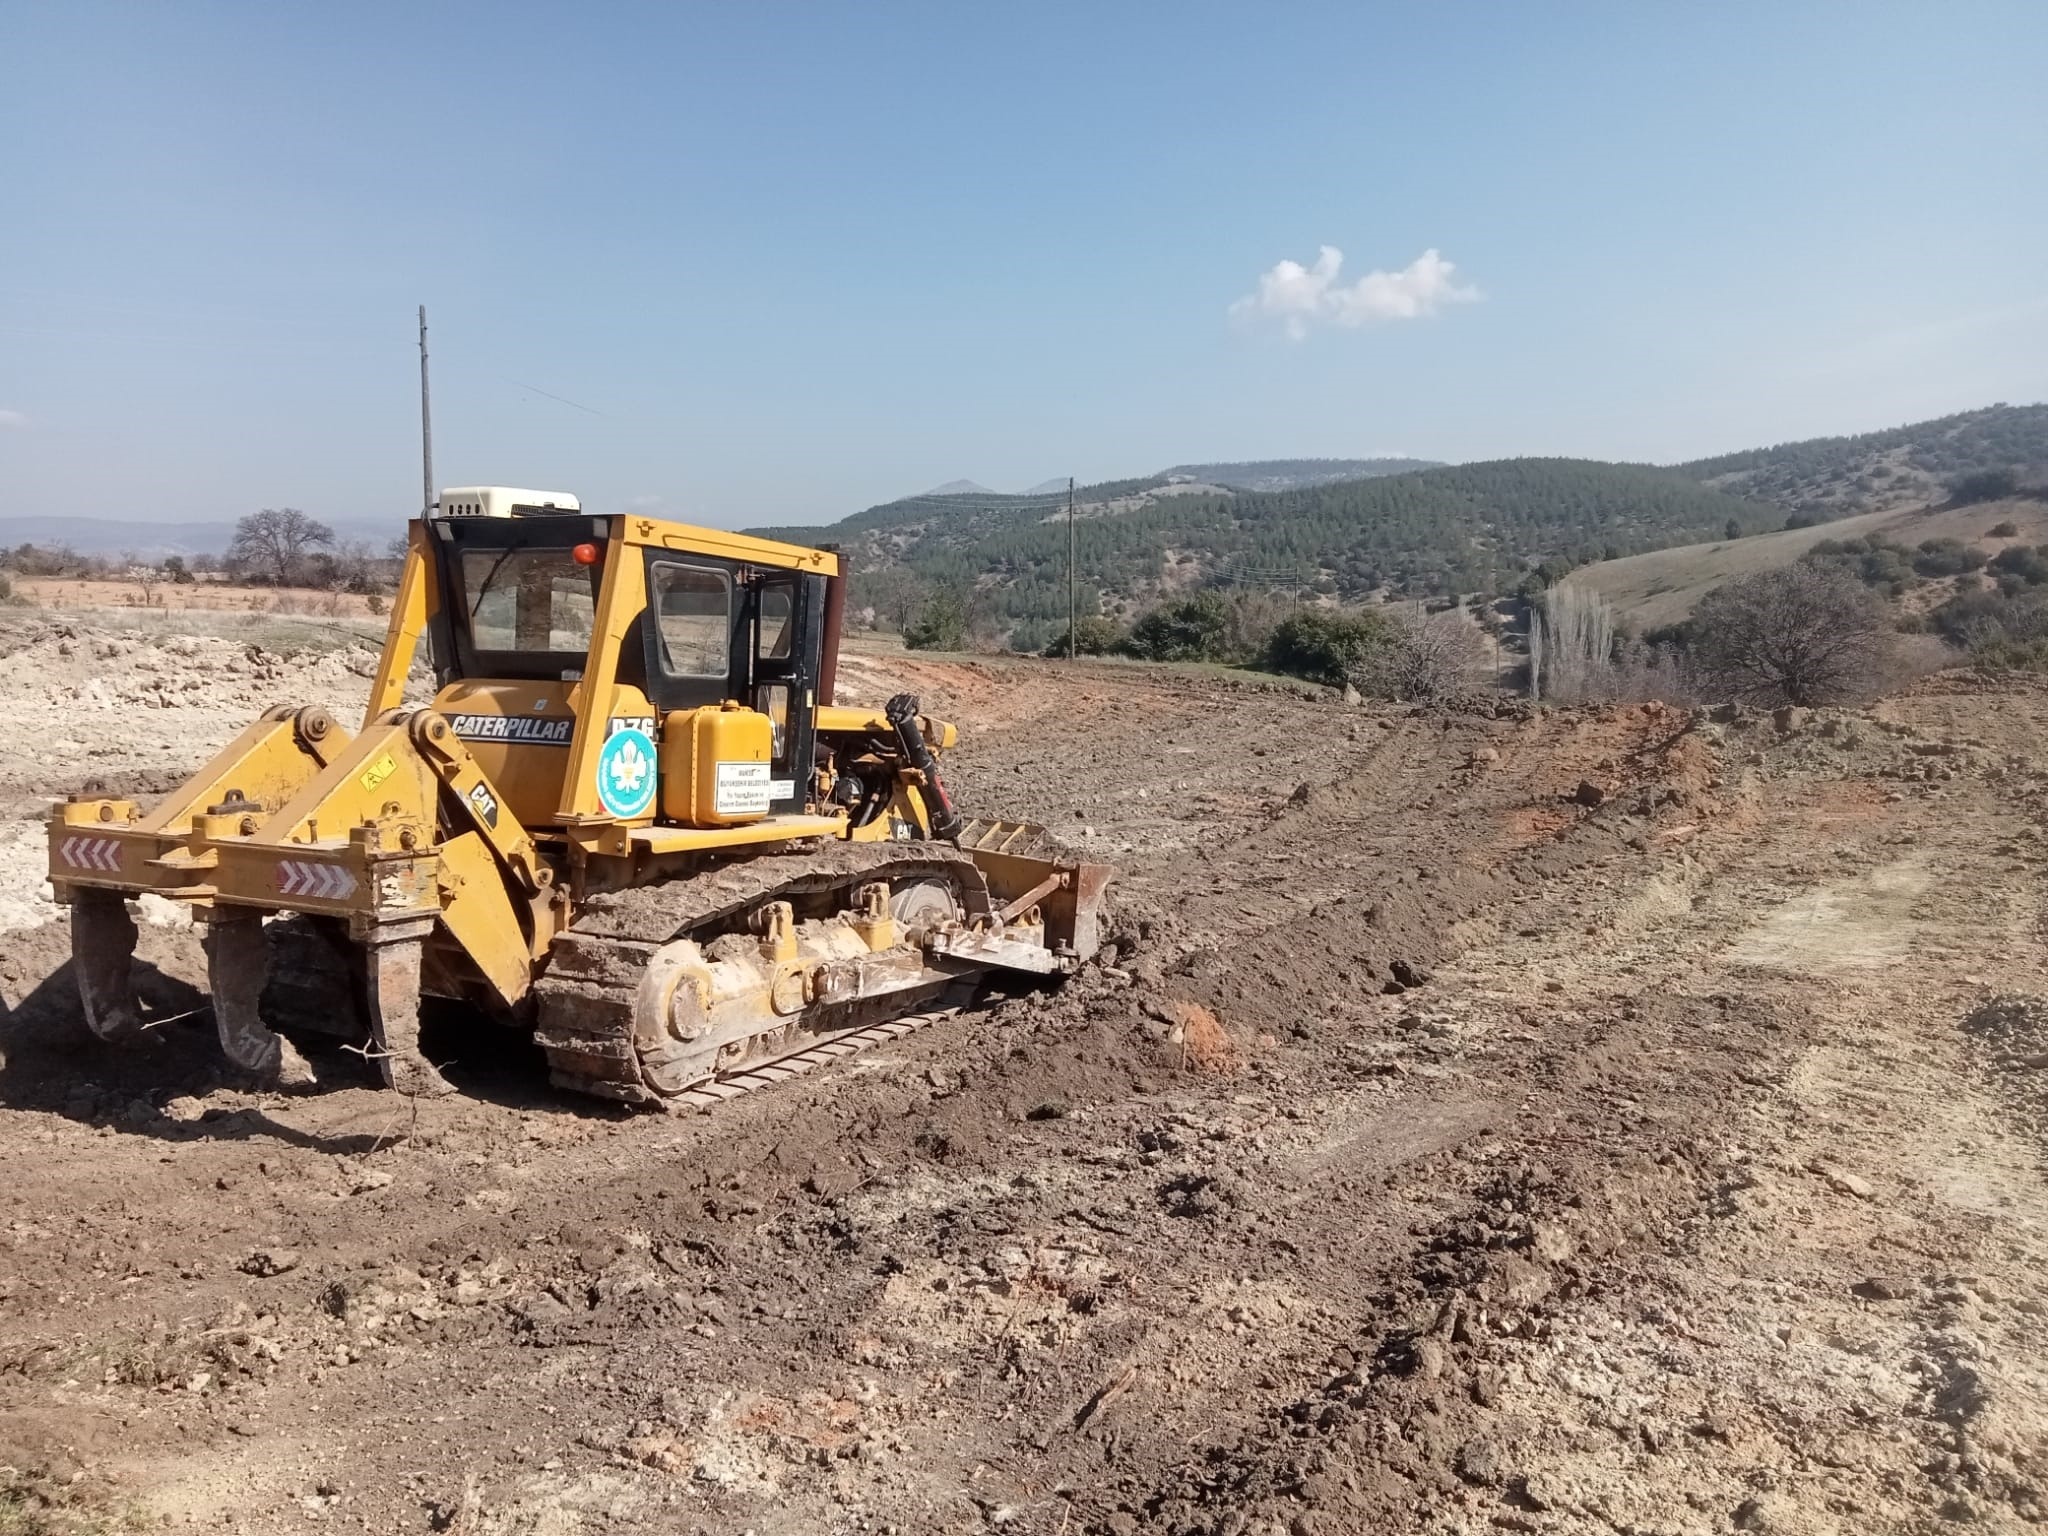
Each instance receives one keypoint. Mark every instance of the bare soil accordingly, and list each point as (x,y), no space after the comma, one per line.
(1619,1121)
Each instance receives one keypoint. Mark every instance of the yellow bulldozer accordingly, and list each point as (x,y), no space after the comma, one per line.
(633,820)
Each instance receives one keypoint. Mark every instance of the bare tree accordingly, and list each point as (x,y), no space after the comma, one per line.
(276,542)
(1802,634)
(350,569)
(1433,655)
(1571,647)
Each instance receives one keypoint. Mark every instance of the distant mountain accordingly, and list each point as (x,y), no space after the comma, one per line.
(1057,486)
(960,488)
(1295,474)
(154,541)
(1909,466)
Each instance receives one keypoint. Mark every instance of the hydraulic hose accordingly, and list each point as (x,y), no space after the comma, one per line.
(902,714)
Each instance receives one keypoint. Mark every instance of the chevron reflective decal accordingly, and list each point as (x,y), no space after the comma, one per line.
(100,853)
(329,882)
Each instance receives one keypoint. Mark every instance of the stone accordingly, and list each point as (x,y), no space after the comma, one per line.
(266,1262)
(1430,1359)
(1478,1462)
(1408,974)
(1589,794)
(1545,1491)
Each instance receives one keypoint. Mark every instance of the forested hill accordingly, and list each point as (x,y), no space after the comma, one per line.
(1294,474)
(1830,477)
(1458,529)
(1466,528)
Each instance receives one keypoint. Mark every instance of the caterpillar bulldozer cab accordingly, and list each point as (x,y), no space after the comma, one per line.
(633,819)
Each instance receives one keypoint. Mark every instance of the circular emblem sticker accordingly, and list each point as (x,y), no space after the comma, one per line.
(625,773)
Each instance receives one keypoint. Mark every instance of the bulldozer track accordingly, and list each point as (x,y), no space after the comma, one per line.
(586,998)
(834,1048)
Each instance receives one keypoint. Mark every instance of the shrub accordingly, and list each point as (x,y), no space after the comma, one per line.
(2021,565)
(1983,485)
(1185,629)
(2005,530)
(1946,557)
(1871,560)
(2011,656)
(1975,620)
(941,626)
(1325,646)
(1805,634)
(1093,636)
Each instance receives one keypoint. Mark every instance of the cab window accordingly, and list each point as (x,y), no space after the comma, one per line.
(693,619)
(777,609)
(528,600)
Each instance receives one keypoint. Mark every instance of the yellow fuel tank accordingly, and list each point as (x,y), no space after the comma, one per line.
(715,765)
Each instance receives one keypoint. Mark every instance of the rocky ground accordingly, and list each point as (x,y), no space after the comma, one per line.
(1623,1121)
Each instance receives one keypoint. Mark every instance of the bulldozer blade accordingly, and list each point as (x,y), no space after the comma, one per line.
(1027,869)
(392,990)
(237,964)
(102,958)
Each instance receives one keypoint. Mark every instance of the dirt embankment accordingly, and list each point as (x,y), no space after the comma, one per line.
(1606,1122)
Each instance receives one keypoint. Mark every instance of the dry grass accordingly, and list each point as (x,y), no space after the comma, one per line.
(1663,587)
(68,592)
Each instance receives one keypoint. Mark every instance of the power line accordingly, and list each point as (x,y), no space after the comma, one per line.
(559,399)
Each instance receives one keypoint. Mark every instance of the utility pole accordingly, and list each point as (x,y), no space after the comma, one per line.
(1073,620)
(426,427)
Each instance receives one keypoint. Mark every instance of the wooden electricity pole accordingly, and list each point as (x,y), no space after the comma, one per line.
(426,428)
(1073,619)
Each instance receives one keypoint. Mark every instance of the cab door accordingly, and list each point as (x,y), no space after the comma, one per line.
(717,630)
(780,636)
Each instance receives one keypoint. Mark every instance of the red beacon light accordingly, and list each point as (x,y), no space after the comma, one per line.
(585,554)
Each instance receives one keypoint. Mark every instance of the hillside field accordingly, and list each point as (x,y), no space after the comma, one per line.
(1663,586)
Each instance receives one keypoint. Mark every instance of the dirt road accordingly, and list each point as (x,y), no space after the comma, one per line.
(1609,1122)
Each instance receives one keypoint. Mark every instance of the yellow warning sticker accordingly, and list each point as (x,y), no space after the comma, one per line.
(379,771)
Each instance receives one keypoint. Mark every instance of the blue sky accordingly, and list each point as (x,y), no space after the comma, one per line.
(791,260)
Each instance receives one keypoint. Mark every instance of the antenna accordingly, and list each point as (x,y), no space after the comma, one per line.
(426,428)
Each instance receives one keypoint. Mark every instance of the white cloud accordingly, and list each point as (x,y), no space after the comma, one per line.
(1298,297)
(12,419)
